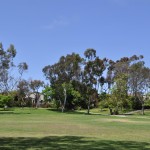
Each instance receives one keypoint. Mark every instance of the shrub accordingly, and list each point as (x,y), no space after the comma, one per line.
(4,100)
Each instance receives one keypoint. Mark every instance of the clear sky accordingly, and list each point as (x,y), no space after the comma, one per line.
(44,30)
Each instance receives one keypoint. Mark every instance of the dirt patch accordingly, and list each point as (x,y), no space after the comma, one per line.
(122,120)
(127,121)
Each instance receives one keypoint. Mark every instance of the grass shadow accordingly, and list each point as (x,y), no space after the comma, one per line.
(6,112)
(11,111)
(66,111)
(74,112)
(70,143)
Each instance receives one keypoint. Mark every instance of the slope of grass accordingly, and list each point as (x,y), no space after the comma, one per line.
(48,129)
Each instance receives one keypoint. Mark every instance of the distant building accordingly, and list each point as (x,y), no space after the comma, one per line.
(36,98)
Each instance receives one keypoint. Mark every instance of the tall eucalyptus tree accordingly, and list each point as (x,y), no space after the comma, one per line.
(8,81)
(139,81)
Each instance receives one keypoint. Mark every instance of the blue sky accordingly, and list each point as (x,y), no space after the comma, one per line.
(44,30)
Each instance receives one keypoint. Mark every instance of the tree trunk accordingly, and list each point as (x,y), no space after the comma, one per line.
(143,109)
(101,89)
(22,103)
(110,110)
(37,96)
(89,106)
(62,109)
(116,111)
(65,95)
(98,88)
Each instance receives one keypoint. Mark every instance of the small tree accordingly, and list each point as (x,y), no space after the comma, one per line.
(23,91)
(118,95)
(48,92)
(69,91)
(4,100)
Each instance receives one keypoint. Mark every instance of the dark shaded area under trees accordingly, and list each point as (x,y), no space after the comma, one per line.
(69,142)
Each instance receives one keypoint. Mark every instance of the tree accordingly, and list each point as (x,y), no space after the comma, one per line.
(48,92)
(66,69)
(121,68)
(6,62)
(110,74)
(139,84)
(89,78)
(65,87)
(69,96)
(22,67)
(4,100)
(118,96)
(62,74)
(8,81)
(23,92)
(90,53)
(98,69)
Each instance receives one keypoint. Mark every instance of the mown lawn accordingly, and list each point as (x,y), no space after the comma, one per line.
(34,129)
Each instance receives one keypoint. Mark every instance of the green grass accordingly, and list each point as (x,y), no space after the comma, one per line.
(33,129)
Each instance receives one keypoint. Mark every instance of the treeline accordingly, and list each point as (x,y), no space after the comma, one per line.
(89,82)
(76,82)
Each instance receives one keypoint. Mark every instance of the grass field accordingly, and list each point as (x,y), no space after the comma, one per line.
(34,129)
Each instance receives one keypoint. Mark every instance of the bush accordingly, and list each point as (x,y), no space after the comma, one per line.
(147,104)
(4,100)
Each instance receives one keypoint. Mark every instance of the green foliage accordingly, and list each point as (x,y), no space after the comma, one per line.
(76,82)
(87,81)
(76,95)
(35,85)
(49,93)
(118,98)
(4,100)
(104,100)
(72,96)
(147,100)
